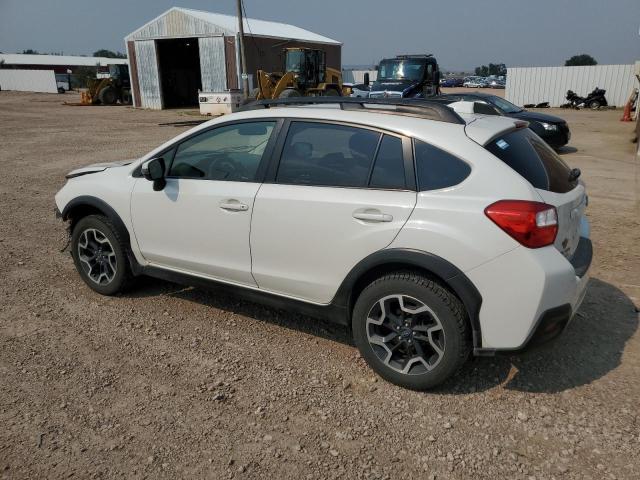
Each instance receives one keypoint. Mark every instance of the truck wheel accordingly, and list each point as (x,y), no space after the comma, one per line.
(126,97)
(289,92)
(98,252)
(411,330)
(108,96)
(331,92)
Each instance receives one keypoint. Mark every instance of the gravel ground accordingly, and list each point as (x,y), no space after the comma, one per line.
(168,382)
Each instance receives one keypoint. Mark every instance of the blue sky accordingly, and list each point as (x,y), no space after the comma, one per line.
(462,34)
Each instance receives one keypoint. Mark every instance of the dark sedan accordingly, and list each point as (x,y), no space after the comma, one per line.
(452,82)
(553,130)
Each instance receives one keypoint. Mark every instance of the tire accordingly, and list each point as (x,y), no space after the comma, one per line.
(289,93)
(108,96)
(95,235)
(440,331)
(61,90)
(126,97)
(594,104)
(331,92)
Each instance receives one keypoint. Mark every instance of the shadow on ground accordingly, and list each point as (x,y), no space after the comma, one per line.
(566,149)
(591,346)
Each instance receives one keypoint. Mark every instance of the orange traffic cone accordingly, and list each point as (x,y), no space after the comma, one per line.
(626,115)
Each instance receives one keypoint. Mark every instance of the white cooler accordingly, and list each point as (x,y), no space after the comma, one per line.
(219,103)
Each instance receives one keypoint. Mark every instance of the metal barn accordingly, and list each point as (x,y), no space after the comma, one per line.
(183,51)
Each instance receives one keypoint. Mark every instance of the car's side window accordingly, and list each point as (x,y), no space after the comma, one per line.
(230,153)
(388,170)
(326,154)
(437,168)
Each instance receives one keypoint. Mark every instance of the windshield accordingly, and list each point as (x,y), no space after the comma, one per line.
(401,70)
(294,61)
(503,105)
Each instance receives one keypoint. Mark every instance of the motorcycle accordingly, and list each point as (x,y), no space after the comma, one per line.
(594,100)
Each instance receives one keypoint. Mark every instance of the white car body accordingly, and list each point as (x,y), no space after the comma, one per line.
(300,242)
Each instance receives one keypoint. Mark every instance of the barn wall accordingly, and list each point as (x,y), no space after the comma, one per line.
(43,81)
(267,53)
(133,73)
(176,24)
(212,64)
(231,64)
(148,74)
(550,84)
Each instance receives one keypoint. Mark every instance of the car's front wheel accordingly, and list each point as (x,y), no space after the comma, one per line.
(411,330)
(98,252)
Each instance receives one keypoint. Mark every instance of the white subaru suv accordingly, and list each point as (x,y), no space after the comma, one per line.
(431,231)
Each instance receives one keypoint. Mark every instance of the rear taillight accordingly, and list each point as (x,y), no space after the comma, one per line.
(533,224)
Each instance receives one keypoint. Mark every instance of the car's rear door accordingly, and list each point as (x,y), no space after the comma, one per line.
(326,204)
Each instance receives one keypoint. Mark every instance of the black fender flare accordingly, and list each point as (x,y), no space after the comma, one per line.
(111,214)
(399,258)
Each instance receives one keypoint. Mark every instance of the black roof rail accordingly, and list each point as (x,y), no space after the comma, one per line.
(433,110)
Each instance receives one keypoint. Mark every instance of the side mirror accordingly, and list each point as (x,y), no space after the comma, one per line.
(366,79)
(154,170)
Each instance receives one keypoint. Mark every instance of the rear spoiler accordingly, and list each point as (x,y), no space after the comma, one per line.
(483,130)
(480,108)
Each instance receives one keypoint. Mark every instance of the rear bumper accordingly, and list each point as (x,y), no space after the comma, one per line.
(529,296)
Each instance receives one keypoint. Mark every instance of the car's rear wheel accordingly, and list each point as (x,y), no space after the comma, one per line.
(411,330)
(98,252)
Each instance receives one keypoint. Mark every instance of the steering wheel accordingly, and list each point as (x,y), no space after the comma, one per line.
(230,168)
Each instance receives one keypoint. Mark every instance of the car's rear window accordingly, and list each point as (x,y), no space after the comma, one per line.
(532,158)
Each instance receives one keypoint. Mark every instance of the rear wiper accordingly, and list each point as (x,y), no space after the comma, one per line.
(574,174)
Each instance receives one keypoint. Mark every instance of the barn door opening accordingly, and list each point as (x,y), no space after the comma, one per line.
(179,66)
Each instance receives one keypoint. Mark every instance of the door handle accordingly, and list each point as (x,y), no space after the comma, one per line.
(234,206)
(372,216)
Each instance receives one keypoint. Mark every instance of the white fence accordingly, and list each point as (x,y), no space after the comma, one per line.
(550,84)
(28,80)
(357,76)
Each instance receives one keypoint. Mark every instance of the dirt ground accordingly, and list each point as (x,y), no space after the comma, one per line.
(174,382)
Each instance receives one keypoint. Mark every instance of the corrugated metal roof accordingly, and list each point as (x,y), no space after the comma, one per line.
(252,26)
(22,59)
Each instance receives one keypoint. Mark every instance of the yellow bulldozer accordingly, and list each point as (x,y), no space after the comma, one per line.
(305,74)
(110,90)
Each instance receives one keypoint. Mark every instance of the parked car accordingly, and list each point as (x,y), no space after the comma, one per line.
(475,83)
(360,90)
(497,84)
(431,234)
(62,82)
(452,82)
(553,130)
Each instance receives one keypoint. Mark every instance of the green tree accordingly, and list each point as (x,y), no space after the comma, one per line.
(491,69)
(580,60)
(108,54)
(29,51)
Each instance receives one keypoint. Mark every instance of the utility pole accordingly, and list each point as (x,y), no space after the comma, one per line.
(243,58)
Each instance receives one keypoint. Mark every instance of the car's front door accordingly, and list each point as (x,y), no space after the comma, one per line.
(199,223)
(328,206)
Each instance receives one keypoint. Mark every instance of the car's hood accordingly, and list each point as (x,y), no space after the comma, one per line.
(536,117)
(97,167)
